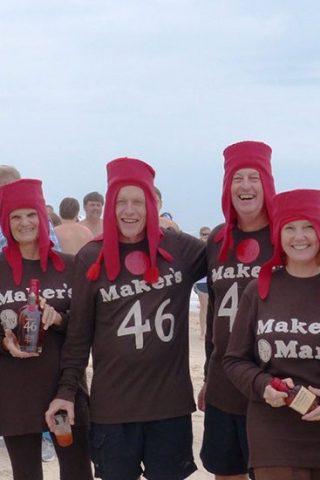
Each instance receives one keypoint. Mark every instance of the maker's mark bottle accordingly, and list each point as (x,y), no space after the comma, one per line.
(30,331)
(299,398)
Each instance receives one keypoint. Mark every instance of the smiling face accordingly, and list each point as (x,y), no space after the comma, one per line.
(300,242)
(247,192)
(131,214)
(24,225)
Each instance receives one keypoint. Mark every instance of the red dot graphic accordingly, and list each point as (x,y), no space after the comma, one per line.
(137,262)
(248,250)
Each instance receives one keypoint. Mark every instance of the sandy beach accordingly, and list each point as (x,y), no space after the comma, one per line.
(196,362)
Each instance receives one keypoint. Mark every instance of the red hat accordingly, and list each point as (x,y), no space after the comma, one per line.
(123,172)
(26,193)
(256,155)
(288,207)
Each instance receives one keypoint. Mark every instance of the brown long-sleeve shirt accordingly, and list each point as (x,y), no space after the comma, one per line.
(28,385)
(226,283)
(138,333)
(277,337)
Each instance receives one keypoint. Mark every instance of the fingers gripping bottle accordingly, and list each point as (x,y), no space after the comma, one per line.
(30,331)
(299,398)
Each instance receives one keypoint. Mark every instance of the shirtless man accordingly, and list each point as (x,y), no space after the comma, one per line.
(71,235)
(92,205)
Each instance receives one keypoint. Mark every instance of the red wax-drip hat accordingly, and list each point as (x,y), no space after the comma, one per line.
(288,207)
(248,154)
(124,172)
(26,193)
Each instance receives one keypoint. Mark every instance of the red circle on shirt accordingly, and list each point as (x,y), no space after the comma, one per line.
(248,250)
(137,262)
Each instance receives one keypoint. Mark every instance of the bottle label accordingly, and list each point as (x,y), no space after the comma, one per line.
(302,401)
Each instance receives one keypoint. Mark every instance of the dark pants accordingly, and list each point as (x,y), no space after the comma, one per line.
(224,449)
(25,455)
(164,447)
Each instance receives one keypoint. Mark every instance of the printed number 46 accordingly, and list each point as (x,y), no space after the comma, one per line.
(138,328)
(231,298)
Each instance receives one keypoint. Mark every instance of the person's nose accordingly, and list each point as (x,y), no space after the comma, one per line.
(300,234)
(24,221)
(245,184)
(129,208)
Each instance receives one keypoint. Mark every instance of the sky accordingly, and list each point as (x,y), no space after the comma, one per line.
(172,82)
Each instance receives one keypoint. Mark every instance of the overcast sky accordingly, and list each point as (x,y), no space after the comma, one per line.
(172,82)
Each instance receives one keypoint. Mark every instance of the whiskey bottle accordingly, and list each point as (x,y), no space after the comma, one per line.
(62,429)
(299,398)
(30,331)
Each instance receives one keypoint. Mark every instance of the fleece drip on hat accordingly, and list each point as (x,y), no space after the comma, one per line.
(301,204)
(26,193)
(248,154)
(124,172)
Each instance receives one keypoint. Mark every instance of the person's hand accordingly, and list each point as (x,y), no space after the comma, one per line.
(273,397)
(314,415)
(201,398)
(56,405)
(49,315)
(10,343)
(288,381)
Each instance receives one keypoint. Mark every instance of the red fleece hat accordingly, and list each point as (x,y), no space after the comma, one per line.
(26,193)
(123,172)
(288,207)
(256,155)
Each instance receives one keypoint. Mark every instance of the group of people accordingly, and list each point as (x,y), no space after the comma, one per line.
(124,298)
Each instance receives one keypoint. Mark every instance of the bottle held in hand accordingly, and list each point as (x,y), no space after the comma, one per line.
(62,429)
(299,398)
(30,331)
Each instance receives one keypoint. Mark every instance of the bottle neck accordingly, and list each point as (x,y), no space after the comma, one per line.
(279,385)
(33,295)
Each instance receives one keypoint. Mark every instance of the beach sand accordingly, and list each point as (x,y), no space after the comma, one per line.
(196,362)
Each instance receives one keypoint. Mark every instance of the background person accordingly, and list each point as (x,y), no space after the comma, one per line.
(55,219)
(235,252)
(164,220)
(30,380)
(93,205)
(276,334)
(131,302)
(72,236)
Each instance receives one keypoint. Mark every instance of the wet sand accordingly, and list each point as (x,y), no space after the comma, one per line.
(196,361)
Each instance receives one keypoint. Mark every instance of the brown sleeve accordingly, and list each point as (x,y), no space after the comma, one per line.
(80,330)
(239,362)
(194,255)
(209,332)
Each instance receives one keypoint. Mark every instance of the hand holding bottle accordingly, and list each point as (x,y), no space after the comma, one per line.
(298,397)
(55,406)
(274,398)
(10,343)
